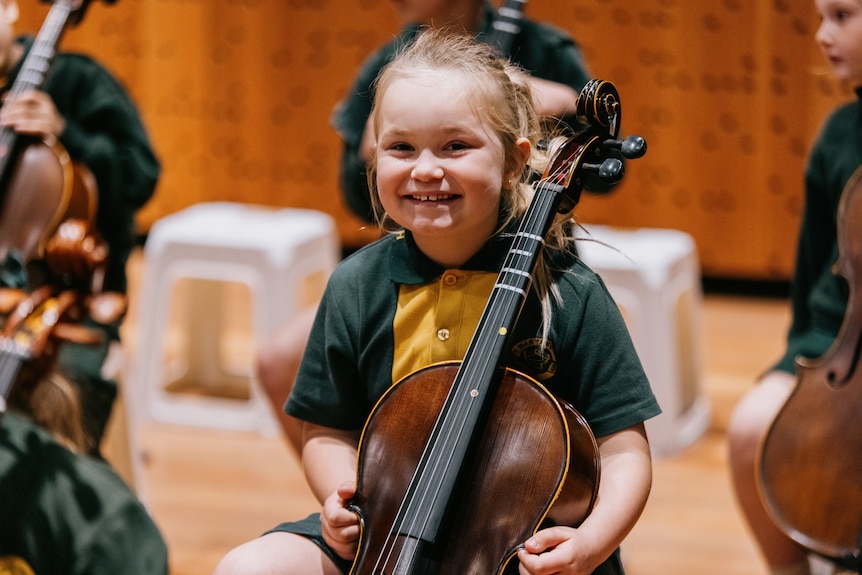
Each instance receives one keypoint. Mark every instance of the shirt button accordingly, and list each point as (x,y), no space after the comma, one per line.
(443,334)
(450,279)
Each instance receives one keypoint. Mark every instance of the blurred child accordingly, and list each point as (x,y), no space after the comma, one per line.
(818,296)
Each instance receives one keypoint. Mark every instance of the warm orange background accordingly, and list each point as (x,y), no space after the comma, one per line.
(729,94)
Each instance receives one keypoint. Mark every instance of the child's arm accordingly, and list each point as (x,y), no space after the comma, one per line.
(553,99)
(328,458)
(329,462)
(626,477)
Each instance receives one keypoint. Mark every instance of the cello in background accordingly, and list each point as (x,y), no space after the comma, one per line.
(33,323)
(811,457)
(47,212)
(39,184)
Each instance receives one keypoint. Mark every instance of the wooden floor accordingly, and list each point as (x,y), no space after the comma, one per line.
(210,490)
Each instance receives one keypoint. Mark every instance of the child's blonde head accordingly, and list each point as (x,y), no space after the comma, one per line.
(498,92)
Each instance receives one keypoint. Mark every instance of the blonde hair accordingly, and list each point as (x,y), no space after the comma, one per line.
(500,91)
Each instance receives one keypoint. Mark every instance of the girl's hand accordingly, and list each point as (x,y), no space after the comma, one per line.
(557,550)
(623,492)
(32,113)
(340,526)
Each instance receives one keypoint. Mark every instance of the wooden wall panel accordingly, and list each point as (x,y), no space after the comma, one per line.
(729,95)
(237,95)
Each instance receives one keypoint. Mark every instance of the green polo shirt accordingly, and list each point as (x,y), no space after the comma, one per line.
(389,296)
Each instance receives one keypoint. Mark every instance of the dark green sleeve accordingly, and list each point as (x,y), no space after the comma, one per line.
(70,514)
(126,542)
(819,296)
(612,389)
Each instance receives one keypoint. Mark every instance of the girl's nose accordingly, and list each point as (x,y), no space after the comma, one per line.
(427,167)
(822,37)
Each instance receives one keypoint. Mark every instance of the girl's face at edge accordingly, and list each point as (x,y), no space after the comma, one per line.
(439,165)
(840,38)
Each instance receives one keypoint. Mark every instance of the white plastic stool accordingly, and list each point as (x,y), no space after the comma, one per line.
(654,276)
(282,257)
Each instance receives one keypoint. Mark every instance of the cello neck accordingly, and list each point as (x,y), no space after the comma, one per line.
(41,54)
(507,25)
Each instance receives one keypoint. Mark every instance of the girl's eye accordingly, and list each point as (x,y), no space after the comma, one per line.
(457,146)
(842,15)
(400,147)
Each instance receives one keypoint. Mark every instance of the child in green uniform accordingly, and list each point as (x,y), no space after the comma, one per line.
(818,296)
(557,74)
(93,118)
(454,127)
(65,510)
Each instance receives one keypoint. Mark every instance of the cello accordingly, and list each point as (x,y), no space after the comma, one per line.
(810,466)
(39,182)
(445,444)
(33,323)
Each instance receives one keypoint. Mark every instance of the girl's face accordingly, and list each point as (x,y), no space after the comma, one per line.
(439,163)
(840,38)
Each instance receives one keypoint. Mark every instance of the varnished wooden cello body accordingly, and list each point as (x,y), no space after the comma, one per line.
(468,459)
(40,184)
(811,458)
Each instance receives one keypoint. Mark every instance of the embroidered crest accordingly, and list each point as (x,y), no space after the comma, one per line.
(537,361)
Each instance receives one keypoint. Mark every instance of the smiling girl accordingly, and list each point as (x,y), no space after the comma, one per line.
(455,128)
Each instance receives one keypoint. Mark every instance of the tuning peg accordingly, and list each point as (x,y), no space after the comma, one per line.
(632,147)
(610,171)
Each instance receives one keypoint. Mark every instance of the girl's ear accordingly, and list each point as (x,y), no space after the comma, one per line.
(523,147)
(523,144)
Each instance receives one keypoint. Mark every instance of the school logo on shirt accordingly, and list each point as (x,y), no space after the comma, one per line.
(539,362)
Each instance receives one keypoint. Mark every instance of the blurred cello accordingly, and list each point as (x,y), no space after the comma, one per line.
(811,457)
(39,184)
(33,323)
